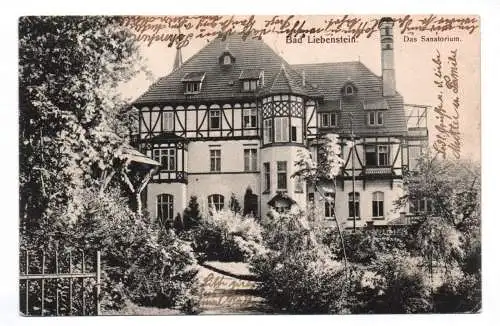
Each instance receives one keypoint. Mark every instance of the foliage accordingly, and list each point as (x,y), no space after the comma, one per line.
(298,273)
(144,263)
(400,285)
(227,236)
(366,245)
(72,119)
(192,215)
(461,293)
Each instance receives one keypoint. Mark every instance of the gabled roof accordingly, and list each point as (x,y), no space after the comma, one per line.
(330,78)
(195,76)
(282,82)
(221,82)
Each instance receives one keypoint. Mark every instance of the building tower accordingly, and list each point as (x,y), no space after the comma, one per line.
(282,116)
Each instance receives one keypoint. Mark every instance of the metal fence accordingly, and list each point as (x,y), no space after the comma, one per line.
(59,283)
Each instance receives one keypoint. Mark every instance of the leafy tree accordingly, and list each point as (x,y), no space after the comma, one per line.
(192,214)
(447,234)
(321,174)
(72,119)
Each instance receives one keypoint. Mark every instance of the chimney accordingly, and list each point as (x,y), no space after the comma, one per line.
(303,78)
(386,25)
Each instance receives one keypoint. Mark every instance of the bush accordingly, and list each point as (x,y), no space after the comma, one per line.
(366,245)
(459,293)
(399,285)
(227,236)
(298,273)
(141,260)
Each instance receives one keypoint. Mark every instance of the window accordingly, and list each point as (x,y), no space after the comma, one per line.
(250,158)
(420,206)
(216,201)
(227,59)
(377,155)
(375,118)
(267,177)
(294,133)
(250,85)
(349,90)
(250,118)
(281,175)
(168,121)
(165,207)
(281,129)
(354,205)
(215,160)
(328,119)
(267,131)
(330,204)
(192,87)
(378,204)
(166,156)
(214,119)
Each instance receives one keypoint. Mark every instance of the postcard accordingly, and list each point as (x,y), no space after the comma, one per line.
(287,164)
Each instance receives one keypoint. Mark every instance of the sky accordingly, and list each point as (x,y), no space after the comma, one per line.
(413,65)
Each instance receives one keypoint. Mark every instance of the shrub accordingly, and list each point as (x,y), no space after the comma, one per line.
(298,273)
(459,293)
(399,285)
(227,236)
(141,260)
(191,215)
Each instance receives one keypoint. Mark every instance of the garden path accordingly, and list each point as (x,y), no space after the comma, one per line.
(225,294)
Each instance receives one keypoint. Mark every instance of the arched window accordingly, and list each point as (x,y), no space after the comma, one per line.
(165,207)
(216,201)
(354,205)
(378,204)
(349,90)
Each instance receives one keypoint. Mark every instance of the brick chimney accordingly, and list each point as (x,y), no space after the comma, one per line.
(386,25)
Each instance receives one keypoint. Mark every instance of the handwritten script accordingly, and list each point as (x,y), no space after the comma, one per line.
(447,110)
(179,31)
(218,290)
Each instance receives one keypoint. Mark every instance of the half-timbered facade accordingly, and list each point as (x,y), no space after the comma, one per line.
(233,117)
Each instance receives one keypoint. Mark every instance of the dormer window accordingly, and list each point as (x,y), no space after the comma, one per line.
(251,79)
(192,87)
(348,90)
(250,85)
(226,59)
(193,82)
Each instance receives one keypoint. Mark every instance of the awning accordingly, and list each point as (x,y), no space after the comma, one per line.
(135,156)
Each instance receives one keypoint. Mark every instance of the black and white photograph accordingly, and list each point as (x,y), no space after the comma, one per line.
(249,165)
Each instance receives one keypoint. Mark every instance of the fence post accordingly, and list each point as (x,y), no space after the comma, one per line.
(27,283)
(98,282)
(43,281)
(70,285)
(83,283)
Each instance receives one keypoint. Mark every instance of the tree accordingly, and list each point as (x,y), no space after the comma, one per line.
(321,174)
(447,231)
(72,119)
(191,214)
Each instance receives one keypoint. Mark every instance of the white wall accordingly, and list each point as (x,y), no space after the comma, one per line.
(342,200)
(178,190)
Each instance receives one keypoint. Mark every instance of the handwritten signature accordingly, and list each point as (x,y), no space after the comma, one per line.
(447,109)
(180,30)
